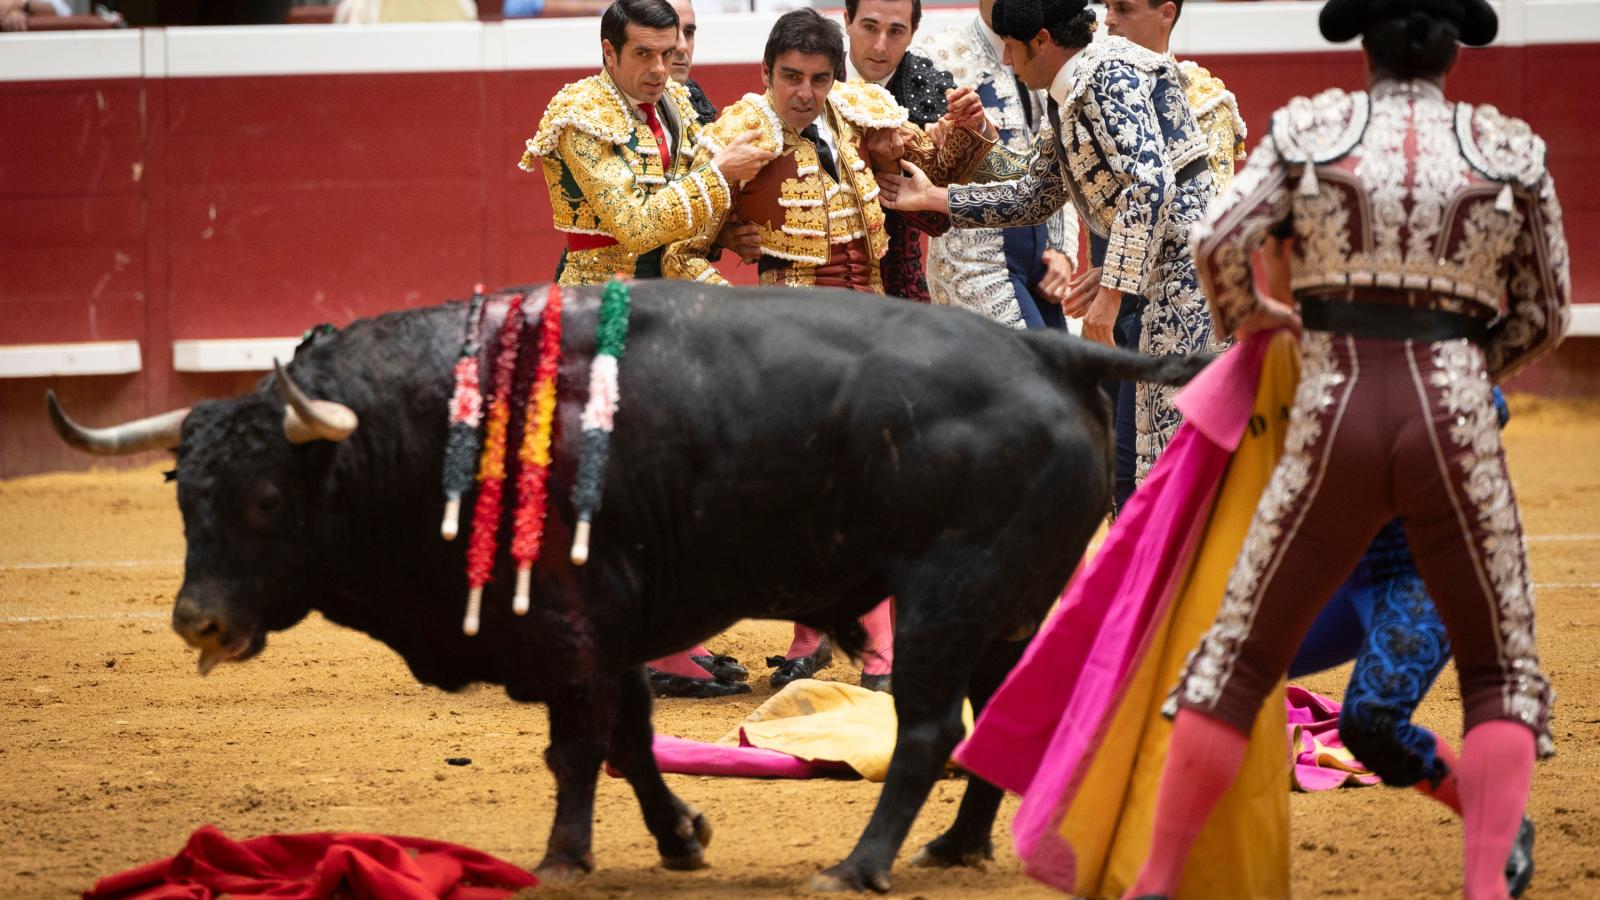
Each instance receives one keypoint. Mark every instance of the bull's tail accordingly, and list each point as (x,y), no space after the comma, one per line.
(1089,362)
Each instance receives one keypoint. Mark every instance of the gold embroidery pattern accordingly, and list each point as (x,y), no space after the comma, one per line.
(818,211)
(603,170)
(1216,111)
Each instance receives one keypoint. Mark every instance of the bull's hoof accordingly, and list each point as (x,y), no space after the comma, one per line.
(847,877)
(694,831)
(942,854)
(564,870)
(686,862)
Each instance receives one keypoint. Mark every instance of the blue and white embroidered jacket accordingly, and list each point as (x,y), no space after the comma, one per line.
(1132,160)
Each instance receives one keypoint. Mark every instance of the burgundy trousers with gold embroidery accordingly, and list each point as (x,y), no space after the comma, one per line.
(1379,430)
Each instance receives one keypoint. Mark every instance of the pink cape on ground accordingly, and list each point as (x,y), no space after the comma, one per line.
(317,866)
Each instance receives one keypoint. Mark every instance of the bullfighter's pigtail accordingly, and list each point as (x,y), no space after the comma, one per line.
(610,339)
(492,467)
(466,413)
(537,432)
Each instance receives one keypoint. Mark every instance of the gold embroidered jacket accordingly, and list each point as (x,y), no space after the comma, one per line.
(1402,190)
(802,211)
(603,168)
(1216,111)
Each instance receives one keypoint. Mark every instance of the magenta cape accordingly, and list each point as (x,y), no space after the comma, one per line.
(1041,729)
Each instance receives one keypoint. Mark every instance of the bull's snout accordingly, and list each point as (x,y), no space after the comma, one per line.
(194,624)
(204,629)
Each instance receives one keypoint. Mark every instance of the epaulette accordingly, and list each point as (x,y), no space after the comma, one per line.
(752,111)
(1313,131)
(592,106)
(866,105)
(1206,93)
(1500,147)
(1114,50)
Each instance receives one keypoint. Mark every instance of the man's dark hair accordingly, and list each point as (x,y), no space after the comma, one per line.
(807,31)
(643,13)
(1071,23)
(1177,3)
(1414,45)
(916,12)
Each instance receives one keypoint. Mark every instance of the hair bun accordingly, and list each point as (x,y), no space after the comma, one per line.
(1475,20)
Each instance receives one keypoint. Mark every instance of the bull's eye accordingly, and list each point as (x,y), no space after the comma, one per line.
(269,500)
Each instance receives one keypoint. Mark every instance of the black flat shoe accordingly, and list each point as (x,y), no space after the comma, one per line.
(722,668)
(1519,866)
(663,684)
(876,682)
(801,666)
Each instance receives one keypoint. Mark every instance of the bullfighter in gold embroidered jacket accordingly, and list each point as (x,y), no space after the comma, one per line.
(816,201)
(617,150)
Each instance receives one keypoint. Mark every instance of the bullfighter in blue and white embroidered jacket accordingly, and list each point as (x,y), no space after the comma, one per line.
(1132,161)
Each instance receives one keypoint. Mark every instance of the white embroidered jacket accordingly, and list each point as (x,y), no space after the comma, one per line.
(967,266)
(1400,189)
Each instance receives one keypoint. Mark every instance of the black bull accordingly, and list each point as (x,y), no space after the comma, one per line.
(776,455)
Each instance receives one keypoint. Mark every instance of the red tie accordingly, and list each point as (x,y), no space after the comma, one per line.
(649,110)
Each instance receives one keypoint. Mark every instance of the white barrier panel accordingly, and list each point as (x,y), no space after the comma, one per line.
(90,358)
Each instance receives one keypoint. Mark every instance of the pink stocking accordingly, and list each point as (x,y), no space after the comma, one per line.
(1496,772)
(1448,790)
(681,664)
(879,656)
(1201,764)
(806,641)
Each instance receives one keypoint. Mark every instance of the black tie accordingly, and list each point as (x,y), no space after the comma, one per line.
(1025,97)
(1055,125)
(824,155)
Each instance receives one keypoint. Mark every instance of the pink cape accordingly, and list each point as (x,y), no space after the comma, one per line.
(315,866)
(1037,734)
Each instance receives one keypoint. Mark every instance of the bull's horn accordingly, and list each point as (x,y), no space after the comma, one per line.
(155,433)
(305,419)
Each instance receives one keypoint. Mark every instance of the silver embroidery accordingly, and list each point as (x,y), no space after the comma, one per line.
(1500,554)
(1321,379)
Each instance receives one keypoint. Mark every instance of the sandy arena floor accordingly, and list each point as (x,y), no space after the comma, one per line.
(112,750)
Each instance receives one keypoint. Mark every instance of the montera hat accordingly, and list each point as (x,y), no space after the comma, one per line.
(1022,19)
(1475,20)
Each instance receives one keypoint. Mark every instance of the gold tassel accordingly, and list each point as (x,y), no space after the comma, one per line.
(1503,203)
(1308,180)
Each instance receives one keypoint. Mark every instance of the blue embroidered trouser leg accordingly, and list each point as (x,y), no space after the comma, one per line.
(1405,649)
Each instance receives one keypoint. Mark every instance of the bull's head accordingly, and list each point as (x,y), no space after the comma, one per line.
(243,492)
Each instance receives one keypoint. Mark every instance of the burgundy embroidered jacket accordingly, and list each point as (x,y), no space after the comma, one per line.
(1399,188)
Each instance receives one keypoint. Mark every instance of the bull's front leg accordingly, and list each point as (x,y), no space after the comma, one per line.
(580,723)
(682,832)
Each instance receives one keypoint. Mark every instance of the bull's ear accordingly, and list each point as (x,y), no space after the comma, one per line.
(169,475)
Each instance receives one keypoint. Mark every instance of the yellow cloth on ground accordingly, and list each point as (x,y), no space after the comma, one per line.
(1242,853)
(826,721)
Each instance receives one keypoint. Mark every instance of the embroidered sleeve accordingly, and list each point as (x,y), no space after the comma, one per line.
(690,259)
(1255,204)
(1027,200)
(1539,288)
(954,163)
(1063,228)
(1224,147)
(639,220)
(1124,123)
